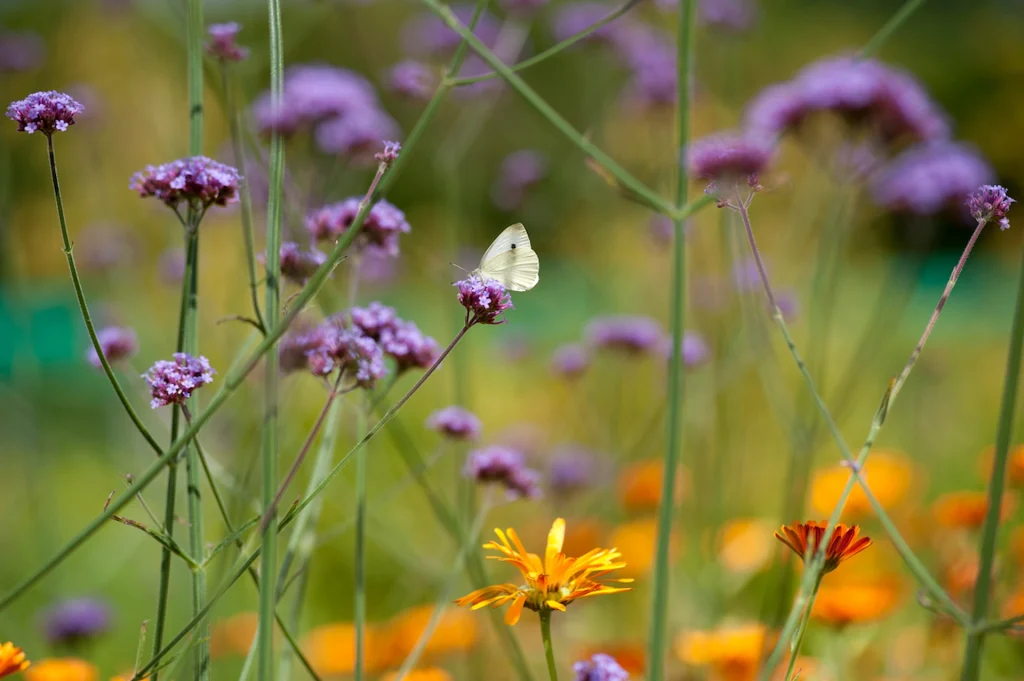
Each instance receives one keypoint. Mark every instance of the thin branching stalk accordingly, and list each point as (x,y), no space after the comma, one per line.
(674,435)
(884,33)
(971,670)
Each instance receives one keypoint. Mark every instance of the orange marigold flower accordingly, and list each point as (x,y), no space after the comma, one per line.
(733,652)
(744,545)
(62,669)
(1014,464)
(889,474)
(233,635)
(550,584)
(640,485)
(12,659)
(636,541)
(331,649)
(424,674)
(842,545)
(966,509)
(630,656)
(456,630)
(856,601)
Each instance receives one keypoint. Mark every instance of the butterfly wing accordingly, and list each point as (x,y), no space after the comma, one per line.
(512,237)
(516,269)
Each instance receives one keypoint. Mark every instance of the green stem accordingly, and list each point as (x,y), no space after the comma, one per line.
(971,670)
(549,652)
(884,33)
(673,440)
(360,557)
(272,307)
(194,37)
(798,643)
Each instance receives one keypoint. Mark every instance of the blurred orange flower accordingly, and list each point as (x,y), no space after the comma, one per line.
(842,545)
(959,576)
(888,474)
(1014,464)
(636,542)
(455,630)
(1017,545)
(331,649)
(583,533)
(745,545)
(233,635)
(62,669)
(854,602)
(550,584)
(424,674)
(630,656)
(126,676)
(12,659)
(966,509)
(733,652)
(640,485)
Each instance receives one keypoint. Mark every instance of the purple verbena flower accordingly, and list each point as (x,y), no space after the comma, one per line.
(410,347)
(389,154)
(990,202)
(456,423)
(651,56)
(694,349)
(374,319)
(198,181)
(600,667)
(571,469)
(357,135)
(117,343)
(503,466)
(929,178)
(348,352)
(427,35)
(45,112)
(313,93)
(172,381)
(73,621)
(734,15)
(570,361)
(412,79)
(298,265)
(572,18)
(380,229)
(293,350)
(729,158)
(633,335)
(20,51)
(484,299)
(519,172)
(222,43)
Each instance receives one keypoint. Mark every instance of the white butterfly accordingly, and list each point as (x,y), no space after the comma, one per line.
(510,260)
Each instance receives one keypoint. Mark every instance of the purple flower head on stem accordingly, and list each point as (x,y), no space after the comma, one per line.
(222,43)
(505,467)
(314,93)
(197,181)
(574,17)
(990,202)
(293,351)
(570,361)
(572,469)
(412,79)
(484,299)
(356,135)
(349,352)
(410,347)
(117,343)
(20,51)
(172,381)
(729,159)
(298,265)
(693,349)
(45,112)
(455,423)
(632,335)
(519,172)
(427,35)
(380,229)
(76,620)
(600,667)
(389,154)
(374,319)
(930,178)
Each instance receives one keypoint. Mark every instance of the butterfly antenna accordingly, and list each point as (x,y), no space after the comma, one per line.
(459,267)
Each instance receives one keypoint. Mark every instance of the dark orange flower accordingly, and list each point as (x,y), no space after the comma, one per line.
(843,544)
(856,602)
(966,509)
(12,659)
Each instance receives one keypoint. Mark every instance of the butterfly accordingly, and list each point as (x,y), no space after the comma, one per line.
(510,260)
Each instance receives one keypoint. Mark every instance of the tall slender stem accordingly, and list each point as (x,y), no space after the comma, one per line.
(360,548)
(673,440)
(549,651)
(798,642)
(971,670)
(272,310)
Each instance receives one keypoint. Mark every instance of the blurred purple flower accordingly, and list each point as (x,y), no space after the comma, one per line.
(789,304)
(376,266)
(572,469)
(348,352)
(293,351)
(357,135)
(929,178)
(519,172)
(199,181)
(373,319)
(503,466)
(380,230)
(222,43)
(298,265)
(103,247)
(651,56)
(171,265)
(633,335)
(45,112)
(570,361)
(73,621)
(661,230)
(412,79)
(456,423)
(20,51)
(990,202)
(474,67)
(746,276)
(734,15)
(575,17)
(410,347)
(729,158)
(172,381)
(522,8)
(314,93)
(600,667)
(117,343)
(484,299)
(694,349)
(427,35)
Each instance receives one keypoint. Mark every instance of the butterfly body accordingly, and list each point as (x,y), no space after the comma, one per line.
(511,261)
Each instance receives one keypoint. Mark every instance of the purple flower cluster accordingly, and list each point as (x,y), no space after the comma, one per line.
(198,181)
(729,158)
(865,92)
(172,381)
(650,55)
(399,339)
(694,349)
(600,667)
(222,43)
(427,35)
(357,134)
(75,620)
(632,335)
(570,361)
(990,202)
(117,343)
(503,466)
(347,351)
(389,154)
(484,299)
(380,229)
(455,423)
(20,51)
(519,172)
(412,79)
(929,178)
(571,18)
(572,469)
(298,265)
(45,112)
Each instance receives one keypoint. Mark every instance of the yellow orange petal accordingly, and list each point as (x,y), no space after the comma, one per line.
(515,610)
(556,537)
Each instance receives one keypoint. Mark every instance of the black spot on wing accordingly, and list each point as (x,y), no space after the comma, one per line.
(513,247)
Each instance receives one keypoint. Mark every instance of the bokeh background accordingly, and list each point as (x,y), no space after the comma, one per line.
(859,293)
